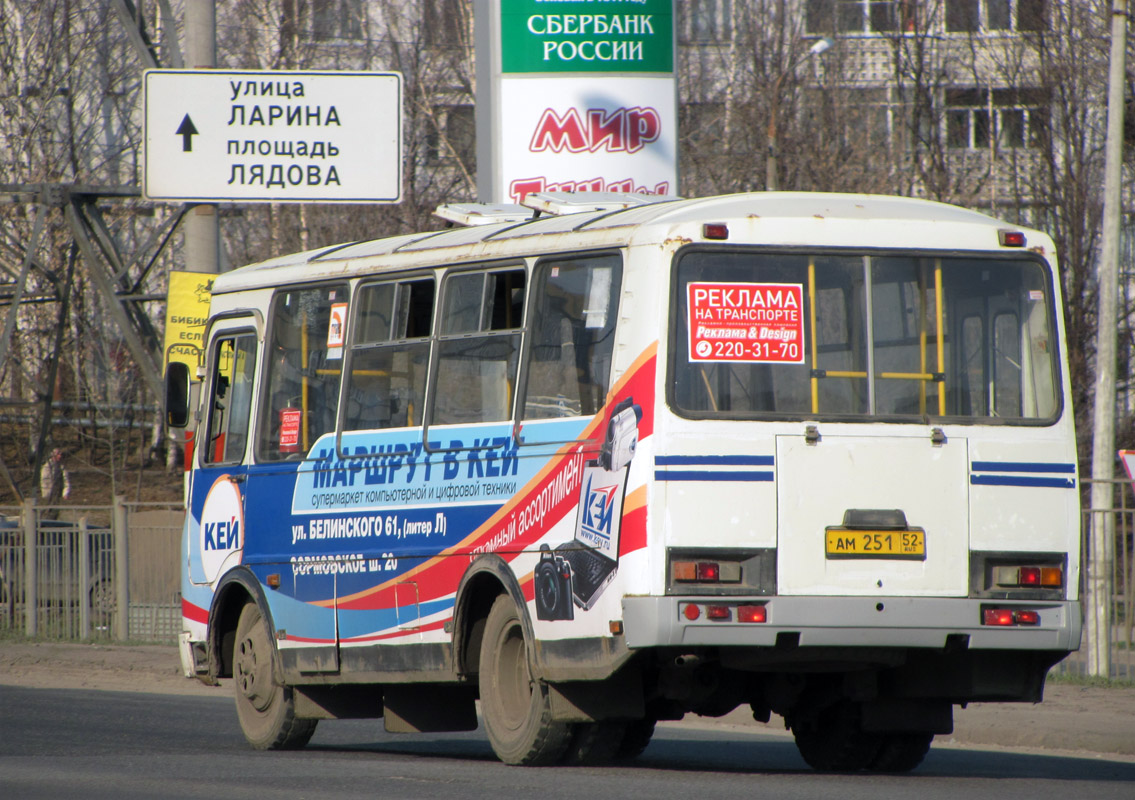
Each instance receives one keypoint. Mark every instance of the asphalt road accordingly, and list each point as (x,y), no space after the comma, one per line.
(97,744)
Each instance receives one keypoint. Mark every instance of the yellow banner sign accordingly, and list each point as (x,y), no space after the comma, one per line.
(187,310)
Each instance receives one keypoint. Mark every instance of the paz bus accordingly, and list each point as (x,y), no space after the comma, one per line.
(574,472)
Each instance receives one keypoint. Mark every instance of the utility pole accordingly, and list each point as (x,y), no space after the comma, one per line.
(1102,540)
(202,236)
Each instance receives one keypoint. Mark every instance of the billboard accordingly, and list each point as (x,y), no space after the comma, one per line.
(575,95)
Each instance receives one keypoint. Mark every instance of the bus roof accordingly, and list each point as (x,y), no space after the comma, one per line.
(773,218)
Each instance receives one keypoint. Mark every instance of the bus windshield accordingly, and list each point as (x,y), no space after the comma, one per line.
(763,334)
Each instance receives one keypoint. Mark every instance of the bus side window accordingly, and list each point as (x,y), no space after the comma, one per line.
(234,360)
(575,306)
(301,383)
(389,360)
(479,346)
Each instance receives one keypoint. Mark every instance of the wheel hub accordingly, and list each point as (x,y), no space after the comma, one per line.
(252,674)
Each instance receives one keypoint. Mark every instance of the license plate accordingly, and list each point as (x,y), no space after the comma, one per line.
(844,543)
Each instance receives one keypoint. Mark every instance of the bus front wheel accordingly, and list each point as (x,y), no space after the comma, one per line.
(266,710)
(515,706)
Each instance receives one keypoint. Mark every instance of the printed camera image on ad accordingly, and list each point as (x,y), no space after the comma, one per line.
(585,566)
(552,580)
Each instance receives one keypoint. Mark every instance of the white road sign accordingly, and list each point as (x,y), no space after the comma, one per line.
(257,136)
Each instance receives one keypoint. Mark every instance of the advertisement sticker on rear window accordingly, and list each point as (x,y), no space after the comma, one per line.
(746,322)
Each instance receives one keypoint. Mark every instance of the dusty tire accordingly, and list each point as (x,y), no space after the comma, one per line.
(595,742)
(266,710)
(835,742)
(901,752)
(636,738)
(514,706)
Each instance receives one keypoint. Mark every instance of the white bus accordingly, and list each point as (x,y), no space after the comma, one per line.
(807,453)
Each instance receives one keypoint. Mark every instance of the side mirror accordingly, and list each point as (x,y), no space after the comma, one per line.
(177,394)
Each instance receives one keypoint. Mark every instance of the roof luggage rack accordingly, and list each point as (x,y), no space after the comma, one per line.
(470,214)
(537,203)
(559,203)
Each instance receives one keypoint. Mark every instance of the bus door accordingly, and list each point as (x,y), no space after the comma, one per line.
(878,508)
(217,498)
(299,395)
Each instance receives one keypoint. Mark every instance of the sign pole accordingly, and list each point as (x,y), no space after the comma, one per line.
(202,236)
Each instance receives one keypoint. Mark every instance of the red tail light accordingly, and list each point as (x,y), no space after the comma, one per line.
(1008,617)
(708,571)
(751,614)
(720,613)
(997,616)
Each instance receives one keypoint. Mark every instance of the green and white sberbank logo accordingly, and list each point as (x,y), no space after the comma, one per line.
(587,36)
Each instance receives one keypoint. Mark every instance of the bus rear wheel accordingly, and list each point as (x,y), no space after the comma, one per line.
(638,735)
(515,706)
(266,710)
(902,752)
(835,741)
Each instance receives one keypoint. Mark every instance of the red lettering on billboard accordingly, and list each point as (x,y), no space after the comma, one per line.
(522,187)
(624,130)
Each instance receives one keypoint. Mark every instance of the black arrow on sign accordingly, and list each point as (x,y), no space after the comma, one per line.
(186,131)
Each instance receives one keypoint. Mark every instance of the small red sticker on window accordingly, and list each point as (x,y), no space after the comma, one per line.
(746,322)
(290,419)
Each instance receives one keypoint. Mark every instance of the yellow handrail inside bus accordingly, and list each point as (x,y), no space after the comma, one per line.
(923,376)
(940,337)
(812,322)
(922,340)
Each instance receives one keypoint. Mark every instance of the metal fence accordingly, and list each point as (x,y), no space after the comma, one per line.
(98,572)
(1118,561)
(60,573)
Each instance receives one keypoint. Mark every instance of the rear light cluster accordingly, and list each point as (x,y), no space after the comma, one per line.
(1008,617)
(705,572)
(720,573)
(1014,576)
(1029,577)
(723,612)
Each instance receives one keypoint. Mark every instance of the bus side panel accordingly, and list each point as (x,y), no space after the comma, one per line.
(379,541)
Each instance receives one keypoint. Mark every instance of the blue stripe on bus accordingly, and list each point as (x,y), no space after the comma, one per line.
(1020,466)
(1021,480)
(706,461)
(711,475)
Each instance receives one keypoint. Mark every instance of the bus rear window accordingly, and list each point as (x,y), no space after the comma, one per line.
(862,335)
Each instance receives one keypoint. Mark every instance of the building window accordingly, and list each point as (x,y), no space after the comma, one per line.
(859,16)
(702,126)
(444,23)
(973,16)
(868,114)
(1015,117)
(336,19)
(454,136)
(707,20)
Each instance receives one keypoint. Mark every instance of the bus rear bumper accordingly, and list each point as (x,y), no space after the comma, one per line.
(930,622)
